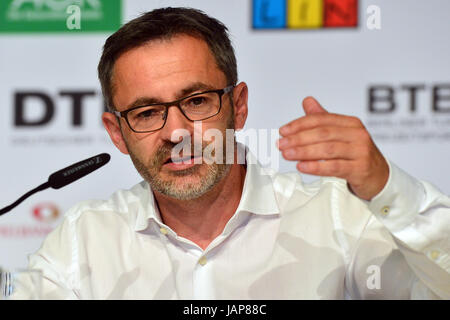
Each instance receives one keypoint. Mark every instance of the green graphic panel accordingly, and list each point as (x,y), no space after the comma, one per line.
(24,16)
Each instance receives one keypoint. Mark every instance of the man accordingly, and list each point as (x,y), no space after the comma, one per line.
(201,229)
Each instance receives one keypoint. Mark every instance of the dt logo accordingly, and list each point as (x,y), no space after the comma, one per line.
(304,14)
(45,212)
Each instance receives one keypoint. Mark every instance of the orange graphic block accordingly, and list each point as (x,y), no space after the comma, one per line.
(340,13)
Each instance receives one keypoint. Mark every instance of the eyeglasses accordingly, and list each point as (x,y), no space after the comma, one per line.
(196,107)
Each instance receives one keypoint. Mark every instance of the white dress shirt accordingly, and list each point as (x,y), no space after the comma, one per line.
(286,240)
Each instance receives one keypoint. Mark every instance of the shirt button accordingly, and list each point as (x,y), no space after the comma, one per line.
(434,254)
(385,211)
(163,230)
(202,261)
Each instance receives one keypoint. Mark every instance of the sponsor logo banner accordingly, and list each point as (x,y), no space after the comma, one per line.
(44,216)
(17,16)
(409,112)
(304,14)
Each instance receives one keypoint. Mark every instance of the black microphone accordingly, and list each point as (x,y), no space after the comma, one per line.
(65,176)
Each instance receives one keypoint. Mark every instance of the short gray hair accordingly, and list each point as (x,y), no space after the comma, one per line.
(165,23)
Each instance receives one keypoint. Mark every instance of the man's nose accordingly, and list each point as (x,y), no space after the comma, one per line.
(177,126)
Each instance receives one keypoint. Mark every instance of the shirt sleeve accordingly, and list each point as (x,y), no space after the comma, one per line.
(417,217)
(55,259)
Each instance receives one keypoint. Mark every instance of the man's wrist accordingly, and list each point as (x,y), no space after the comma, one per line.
(399,202)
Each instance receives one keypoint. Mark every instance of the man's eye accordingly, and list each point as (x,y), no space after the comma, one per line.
(146,114)
(197,101)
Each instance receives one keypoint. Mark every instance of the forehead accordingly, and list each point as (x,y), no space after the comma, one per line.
(163,67)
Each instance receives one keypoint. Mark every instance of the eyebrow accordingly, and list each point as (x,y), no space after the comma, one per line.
(196,86)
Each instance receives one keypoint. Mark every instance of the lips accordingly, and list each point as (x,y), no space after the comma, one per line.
(180,163)
(179,160)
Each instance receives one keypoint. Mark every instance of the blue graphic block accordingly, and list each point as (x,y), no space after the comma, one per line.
(269,14)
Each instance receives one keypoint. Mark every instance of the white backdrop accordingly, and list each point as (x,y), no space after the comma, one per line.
(281,67)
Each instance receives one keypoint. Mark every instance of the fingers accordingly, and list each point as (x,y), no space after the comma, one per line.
(311,106)
(328,168)
(317,135)
(321,151)
(320,119)
(327,144)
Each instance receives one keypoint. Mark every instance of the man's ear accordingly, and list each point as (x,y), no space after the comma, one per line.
(240,101)
(111,124)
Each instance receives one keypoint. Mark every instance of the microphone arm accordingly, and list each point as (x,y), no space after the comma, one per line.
(65,176)
(43,186)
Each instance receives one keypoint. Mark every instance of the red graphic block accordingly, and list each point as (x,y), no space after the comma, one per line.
(340,13)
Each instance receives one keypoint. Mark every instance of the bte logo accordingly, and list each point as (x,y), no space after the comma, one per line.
(383,99)
(304,14)
(46,212)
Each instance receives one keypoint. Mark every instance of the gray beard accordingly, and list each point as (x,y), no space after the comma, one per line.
(186,191)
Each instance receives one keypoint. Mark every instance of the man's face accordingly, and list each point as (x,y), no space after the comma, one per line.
(161,71)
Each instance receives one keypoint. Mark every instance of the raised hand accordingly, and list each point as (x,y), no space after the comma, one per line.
(327,144)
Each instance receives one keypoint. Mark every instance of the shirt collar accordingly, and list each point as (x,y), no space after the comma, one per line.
(258,194)
(147,209)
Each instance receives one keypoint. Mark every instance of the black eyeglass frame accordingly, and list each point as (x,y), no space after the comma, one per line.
(177,103)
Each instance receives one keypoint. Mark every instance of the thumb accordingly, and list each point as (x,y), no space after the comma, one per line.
(311,106)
